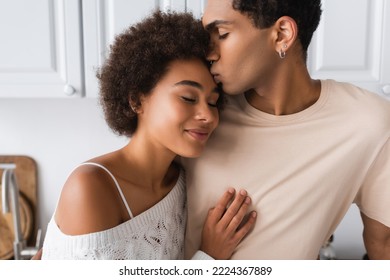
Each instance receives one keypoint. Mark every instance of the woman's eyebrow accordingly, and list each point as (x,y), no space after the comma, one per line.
(189,83)
(194,84)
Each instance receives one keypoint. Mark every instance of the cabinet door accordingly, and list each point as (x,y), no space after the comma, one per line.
(196,7)
(352,43)
(176,5)
(102,20)
(40,49)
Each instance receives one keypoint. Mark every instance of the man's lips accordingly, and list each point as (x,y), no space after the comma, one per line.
(217,78)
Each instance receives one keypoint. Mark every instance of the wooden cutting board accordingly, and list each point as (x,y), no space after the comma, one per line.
(7,228)
(26,177)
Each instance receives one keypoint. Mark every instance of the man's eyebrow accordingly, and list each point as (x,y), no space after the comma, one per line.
(195,85)
(212,25)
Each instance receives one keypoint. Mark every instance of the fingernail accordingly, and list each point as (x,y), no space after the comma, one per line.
(243,192)
(254,214)
(247,200)
(231,190)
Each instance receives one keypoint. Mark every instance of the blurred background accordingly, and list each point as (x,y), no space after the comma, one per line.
(50,118)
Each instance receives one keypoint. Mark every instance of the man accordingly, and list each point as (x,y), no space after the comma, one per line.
(304,149)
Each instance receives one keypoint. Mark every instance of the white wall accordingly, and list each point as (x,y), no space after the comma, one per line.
(60,133)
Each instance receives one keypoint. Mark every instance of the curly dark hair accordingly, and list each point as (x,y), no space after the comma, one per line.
(138,59)
(264,13)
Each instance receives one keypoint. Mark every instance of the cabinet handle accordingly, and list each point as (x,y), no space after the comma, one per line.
(386,90)
(69,90)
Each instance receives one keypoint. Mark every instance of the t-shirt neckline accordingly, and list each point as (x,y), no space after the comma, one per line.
(252,111)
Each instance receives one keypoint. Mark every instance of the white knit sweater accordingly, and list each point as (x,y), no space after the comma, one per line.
(157,233)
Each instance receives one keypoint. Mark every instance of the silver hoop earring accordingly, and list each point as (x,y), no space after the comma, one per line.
(282,54)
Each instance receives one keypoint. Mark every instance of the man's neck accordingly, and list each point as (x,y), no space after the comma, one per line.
(286,95)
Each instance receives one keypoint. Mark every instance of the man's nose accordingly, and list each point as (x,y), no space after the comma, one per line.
(213,54)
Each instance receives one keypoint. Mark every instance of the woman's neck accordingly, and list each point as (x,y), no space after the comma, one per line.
(153,164)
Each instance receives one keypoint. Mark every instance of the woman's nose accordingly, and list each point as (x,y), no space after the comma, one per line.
(206,114)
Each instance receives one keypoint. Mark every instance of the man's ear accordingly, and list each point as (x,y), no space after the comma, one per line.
(287,33)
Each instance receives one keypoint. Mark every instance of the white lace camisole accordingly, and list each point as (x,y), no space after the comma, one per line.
(157,233)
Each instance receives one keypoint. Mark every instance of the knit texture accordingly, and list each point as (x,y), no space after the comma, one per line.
(157,233)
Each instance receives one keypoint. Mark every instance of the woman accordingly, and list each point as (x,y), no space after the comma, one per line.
(130,204)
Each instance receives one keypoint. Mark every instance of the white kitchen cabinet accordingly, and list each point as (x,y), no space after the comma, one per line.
(177,5)
(194,6)
(40,48)
(103,19)
(53,48)
(352,44)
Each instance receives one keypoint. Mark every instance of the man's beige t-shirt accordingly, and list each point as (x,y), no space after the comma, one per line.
(303,171)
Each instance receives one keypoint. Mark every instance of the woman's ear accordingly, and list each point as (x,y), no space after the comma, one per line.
(136,105)
(287,33)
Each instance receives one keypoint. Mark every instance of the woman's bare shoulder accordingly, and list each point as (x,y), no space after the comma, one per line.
(88,202)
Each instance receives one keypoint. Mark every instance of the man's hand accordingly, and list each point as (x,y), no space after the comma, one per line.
(225,226)
(376,239)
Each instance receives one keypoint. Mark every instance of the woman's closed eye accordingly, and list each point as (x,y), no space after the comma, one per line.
(188,99)
(194,100)
(212,104)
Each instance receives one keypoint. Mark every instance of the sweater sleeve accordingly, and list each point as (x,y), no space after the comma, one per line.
(200,255)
